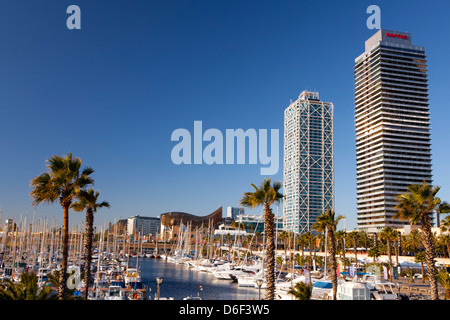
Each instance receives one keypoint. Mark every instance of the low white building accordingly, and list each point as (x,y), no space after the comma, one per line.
(143,225)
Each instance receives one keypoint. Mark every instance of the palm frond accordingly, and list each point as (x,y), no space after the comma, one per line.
(266,194)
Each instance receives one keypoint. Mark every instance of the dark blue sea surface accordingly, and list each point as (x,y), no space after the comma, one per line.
(180,281)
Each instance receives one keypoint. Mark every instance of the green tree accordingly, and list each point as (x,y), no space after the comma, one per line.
(87,200)
(62,182)
(364,239)
(416,206)
(53,279)
(443,207)
(413,241)
(444,279)
(374,253)
(26,289)
(284,236)
(328,221)
(445,226)
(419,257)
(280,261)
(340,237)
(444,239)
(266,195)
(301,291)
(299,259)
(390,235)
(353,236)
(310,239)
(410,273)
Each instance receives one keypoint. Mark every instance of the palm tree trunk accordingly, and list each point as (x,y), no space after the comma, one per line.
(343,253)
(396,252)
(333,261)
(310,247)
(448,249)
(423,273)
(270,252)
(88,251)
(428,243)
(389,258)
(62,290)
(438,222)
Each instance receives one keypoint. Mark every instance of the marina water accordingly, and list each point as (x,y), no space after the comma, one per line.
(180,281)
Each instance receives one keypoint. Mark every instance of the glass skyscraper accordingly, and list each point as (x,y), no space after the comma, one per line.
(393,148)
(308,162)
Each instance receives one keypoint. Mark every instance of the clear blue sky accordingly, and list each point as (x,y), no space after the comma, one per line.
(113,92)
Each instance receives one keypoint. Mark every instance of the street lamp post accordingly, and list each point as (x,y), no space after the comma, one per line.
(159,280)
(259,283)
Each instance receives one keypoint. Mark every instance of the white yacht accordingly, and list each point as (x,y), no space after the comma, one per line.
(323,289)
(380,290)
(224,271)
(133,279)
(115,293)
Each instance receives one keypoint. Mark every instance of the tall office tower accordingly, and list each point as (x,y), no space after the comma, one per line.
(392,126)
(308,162)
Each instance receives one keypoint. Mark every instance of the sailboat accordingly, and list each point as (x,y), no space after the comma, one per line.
(155,252)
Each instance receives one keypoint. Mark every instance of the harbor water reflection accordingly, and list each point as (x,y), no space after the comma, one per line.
(180,281)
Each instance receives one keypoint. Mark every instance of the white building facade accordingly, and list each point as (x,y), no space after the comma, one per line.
(308,162)
(393,146)
(143,225)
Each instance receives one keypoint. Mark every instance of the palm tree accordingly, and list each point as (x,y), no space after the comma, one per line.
(27,289)
(301,243)
(53,279)
(444,239)
(87,200)
(364,238)
(420,258)
(266,195)
(299,259)
(62,181)
(410,273)
(280,261)
(374,252)
(389,234)
(397,247)
(328,221)
(444,279)
(413,241)
(416,206)
(444,207)
(354,236)
(284,236)
(301,291)
(340,237)
(445,226)
(310,238)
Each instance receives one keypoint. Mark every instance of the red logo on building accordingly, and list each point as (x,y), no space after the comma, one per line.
(393,35)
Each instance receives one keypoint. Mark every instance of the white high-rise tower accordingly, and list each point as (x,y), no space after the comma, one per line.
(392,126)
(308,162)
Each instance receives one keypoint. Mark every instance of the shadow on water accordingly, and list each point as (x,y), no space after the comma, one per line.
(180,281)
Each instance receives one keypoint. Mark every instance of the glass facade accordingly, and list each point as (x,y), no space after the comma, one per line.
(308,162)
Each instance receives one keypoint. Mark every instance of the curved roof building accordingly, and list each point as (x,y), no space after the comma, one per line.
(171,219)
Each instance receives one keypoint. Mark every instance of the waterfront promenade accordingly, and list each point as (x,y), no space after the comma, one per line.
(417,290)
